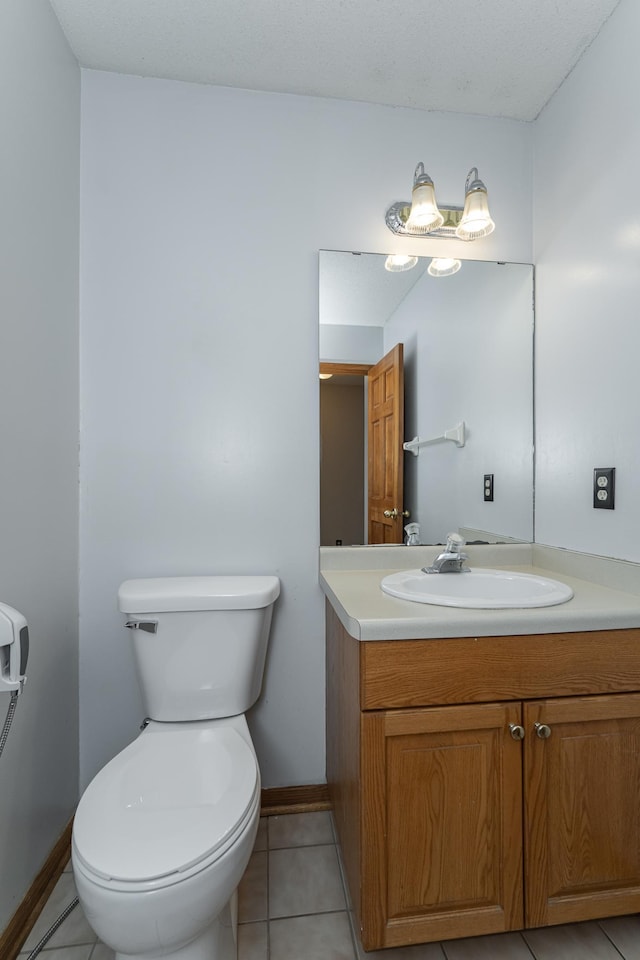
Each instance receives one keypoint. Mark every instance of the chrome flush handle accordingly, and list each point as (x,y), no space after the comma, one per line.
(149,626)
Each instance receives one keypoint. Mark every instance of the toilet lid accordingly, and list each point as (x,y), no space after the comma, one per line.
(168,801)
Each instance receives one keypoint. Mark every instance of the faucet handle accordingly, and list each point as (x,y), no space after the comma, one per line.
(455,543)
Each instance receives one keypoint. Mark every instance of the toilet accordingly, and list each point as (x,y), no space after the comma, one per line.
(164,832)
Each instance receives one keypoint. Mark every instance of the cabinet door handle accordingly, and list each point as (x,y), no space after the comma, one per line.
(542,730)
(516,731)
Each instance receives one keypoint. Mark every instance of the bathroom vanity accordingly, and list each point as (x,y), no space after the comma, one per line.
(484,765)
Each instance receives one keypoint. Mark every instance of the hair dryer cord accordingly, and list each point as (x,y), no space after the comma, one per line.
(8,721)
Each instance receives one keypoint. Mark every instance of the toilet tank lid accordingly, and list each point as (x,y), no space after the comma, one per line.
(175,594)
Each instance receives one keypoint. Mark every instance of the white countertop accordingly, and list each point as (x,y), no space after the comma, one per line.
(369,614)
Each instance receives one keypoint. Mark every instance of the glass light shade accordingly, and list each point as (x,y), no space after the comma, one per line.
(399,262)
(476,220)
(443,267)
(424,216)
(325,376)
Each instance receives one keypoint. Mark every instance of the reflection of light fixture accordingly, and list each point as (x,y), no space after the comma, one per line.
(422,218)
(476,220)
(325,376)
(424,215)
(443,267)
(399,262)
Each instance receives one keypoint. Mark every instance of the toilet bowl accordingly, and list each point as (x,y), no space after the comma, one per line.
(164,832)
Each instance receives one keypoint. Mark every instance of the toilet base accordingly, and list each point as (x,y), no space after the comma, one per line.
(219,941)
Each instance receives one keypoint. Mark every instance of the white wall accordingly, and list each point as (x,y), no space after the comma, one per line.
(587,252)
(39,173)
(468,343)
(340,343)
(200,351)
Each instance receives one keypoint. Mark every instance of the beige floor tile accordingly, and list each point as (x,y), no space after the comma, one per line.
(252,892)
(500,946)
(100,952)
(333,827)
(80,952)
(343,877)
(304,880)
(262,835)
(624,932)
(319,937)
(253,943)
(420,951)
(294,877)
(576,941)
(74,930)
(300,830)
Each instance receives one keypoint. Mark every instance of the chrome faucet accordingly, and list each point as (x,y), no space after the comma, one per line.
(452,558)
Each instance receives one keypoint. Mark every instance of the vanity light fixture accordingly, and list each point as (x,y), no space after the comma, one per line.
(325,376)
(443,267)
(399,262)
(423,218)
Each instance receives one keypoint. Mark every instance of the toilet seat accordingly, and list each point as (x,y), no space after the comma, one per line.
(170,803)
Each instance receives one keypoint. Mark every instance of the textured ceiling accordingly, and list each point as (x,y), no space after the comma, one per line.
(501,58)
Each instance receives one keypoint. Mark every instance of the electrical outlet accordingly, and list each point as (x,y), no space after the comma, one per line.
(488,486)
(604,488)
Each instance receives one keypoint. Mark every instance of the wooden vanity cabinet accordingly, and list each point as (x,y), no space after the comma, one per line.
(450,825)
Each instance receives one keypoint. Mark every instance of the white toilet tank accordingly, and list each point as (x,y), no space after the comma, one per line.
(199,642)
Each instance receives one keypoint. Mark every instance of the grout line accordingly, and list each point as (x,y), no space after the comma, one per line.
(268,896)
(309,913)
(527,945)
(303,846)
(614,945)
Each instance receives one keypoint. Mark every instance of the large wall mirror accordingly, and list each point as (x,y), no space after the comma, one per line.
(466,348)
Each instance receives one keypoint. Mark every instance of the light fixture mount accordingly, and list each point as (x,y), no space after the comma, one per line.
(398,213)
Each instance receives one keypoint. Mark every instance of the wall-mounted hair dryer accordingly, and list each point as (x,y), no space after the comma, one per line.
(14,649)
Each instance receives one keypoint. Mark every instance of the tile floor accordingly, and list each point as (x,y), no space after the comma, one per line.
(292,906)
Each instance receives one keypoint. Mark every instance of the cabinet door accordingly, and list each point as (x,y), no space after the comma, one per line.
(442,824)
(582,808)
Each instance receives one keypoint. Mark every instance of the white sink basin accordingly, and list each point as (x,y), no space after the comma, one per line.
(479,588)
